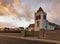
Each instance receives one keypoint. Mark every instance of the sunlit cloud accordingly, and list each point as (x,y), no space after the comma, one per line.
(21,12)
(51,7)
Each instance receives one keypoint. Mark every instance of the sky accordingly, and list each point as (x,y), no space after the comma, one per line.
(20,13)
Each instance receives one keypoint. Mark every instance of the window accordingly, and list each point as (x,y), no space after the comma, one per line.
(39,16)
(44,16)
(37,23)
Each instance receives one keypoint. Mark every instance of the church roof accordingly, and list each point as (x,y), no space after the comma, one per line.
(31,26)
(40,9)
(53,24)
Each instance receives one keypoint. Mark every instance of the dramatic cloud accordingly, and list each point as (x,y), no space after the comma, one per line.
(11,8)
(16,3)
(7,9)
(27,12)
(51,7)
(18,11)
(36,1)
(3,25)
(14,8)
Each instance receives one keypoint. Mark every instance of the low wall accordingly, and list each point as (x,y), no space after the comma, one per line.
(31,33)
(44,34)
(49,34)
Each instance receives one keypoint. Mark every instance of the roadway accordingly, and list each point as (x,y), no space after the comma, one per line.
(8,40)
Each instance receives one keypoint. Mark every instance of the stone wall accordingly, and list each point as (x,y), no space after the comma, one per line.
(49,34)
(44,34)
(32,33)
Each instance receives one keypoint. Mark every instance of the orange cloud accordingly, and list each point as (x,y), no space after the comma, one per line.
(2,25)
(16,3)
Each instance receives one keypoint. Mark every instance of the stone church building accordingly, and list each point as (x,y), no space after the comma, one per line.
(41,22)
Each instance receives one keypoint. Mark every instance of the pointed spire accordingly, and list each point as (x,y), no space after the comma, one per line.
(40,9)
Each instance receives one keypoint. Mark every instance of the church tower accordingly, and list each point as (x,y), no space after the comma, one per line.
(40,20)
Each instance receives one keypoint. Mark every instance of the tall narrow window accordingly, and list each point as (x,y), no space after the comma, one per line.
(39,16)
(37,23)
(44,16)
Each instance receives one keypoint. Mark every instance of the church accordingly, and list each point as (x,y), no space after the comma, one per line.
(41,22)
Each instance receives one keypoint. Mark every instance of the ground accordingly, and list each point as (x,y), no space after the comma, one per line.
(8,40)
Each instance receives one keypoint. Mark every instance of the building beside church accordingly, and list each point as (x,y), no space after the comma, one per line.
(41,22)
(31,27)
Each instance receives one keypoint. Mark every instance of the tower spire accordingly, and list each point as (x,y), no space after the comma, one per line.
(40,9)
